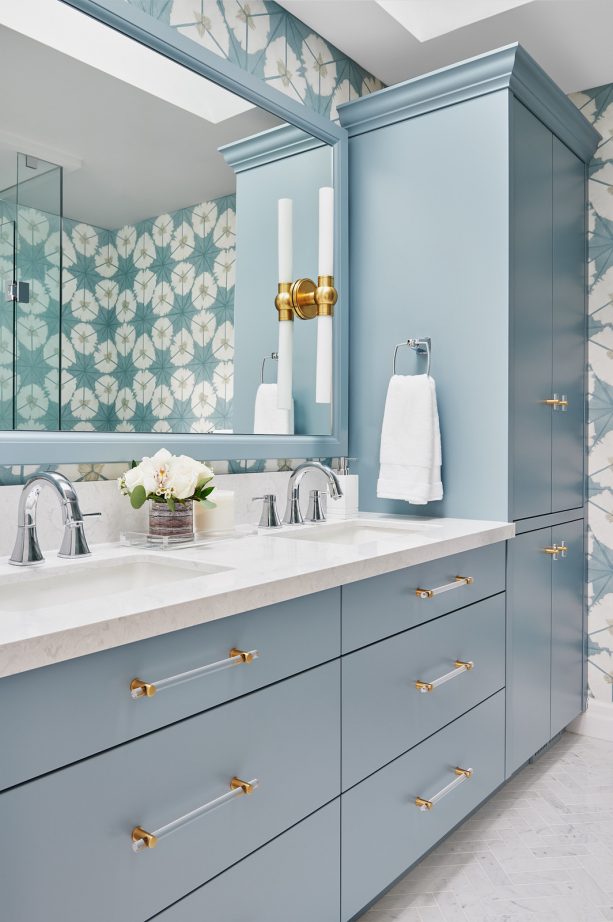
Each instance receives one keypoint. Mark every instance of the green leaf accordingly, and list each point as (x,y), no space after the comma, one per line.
(208,504)
(207,491)
(134,464)
(170,503)
(138,496)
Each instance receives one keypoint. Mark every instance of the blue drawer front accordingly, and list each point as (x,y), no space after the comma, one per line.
(297,877)
(65,839)
(83,706)
(384,605)
(384,714)
(383,832)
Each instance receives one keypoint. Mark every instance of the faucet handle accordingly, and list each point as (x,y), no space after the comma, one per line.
(315,512)
(269,517)
(90,515)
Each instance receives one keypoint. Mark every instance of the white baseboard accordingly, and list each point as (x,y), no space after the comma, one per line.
(597,721)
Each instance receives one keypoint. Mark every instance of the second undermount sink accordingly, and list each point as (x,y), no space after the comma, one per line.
(357,533)
(82,581)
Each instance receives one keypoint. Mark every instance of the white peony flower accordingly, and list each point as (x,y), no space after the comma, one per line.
(183,476)
(143,475)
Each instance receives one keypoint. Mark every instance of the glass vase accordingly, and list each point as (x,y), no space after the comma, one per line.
(165,522)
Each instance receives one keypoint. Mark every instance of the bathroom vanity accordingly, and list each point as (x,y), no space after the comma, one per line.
(318,655)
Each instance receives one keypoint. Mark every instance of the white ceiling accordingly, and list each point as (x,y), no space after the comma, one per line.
(570,39)
(128,154)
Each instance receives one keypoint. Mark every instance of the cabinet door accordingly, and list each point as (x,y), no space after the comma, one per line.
(528,645)
(531,320)
(569,327)
(567,627)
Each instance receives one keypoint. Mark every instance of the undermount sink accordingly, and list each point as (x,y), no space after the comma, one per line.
(356,533)
(79,581)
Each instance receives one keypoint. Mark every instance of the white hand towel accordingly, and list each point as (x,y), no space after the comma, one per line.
(268,418)
(410,442)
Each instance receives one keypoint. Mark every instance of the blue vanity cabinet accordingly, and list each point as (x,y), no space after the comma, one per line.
(82,706)
(65,838)
(467,224)
(384,831)
(296,876)
(545,637)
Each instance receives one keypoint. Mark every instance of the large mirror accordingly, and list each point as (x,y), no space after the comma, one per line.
(139,249)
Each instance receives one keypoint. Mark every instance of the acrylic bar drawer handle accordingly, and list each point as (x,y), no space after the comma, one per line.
(460,667)
(140,689)
(463,774)
(142,839)
(458,581)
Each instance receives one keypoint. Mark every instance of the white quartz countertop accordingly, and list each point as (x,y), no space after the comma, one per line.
(254,571)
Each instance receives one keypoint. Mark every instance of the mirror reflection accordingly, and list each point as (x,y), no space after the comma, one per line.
(139,249)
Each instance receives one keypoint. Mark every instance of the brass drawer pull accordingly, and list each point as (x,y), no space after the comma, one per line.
(142,839)
(141,689)
(557,403)
(460,667)
(557,550)
(462,774)
(458,581)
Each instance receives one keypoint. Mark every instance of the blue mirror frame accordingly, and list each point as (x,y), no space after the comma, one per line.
(23,447)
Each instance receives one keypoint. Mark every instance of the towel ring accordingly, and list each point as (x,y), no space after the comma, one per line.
(273,355)
(421,346)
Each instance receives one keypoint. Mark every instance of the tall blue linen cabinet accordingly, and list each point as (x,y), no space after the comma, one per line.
(468,225)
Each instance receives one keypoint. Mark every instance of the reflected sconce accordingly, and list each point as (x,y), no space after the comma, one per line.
(306,300)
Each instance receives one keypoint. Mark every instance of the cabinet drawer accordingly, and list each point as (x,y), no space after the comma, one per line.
(384,832)
(72,829)
(383,605)
(296,875)
(76,708)
(384,714)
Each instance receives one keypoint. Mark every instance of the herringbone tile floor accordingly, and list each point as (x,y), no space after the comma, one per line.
(540,850)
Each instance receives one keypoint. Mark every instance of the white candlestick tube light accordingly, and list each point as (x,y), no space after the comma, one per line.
(285,367)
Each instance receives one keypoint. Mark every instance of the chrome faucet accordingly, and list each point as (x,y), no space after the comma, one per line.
(74,544)
(293,513)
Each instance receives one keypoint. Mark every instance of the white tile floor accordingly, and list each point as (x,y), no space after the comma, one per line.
(541,849)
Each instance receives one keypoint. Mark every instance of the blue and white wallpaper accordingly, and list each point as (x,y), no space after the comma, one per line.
(148,323)
(597,106)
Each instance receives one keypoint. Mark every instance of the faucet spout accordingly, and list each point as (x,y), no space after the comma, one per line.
(27,550)
(293,513)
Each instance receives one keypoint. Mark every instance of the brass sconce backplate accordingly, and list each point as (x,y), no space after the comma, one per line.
(303,298)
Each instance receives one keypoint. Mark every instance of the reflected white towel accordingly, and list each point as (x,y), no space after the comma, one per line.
(410,442)
(268,418)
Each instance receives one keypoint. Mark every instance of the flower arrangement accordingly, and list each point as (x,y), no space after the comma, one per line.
(169,479)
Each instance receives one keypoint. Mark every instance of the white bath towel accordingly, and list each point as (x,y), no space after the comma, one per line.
(268,418)
(410,442)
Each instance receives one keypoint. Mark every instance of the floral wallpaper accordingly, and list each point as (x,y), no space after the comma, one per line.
(597,105)
(148,323)
(267,41)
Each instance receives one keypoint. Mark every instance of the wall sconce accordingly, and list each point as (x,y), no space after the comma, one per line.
(306,300)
